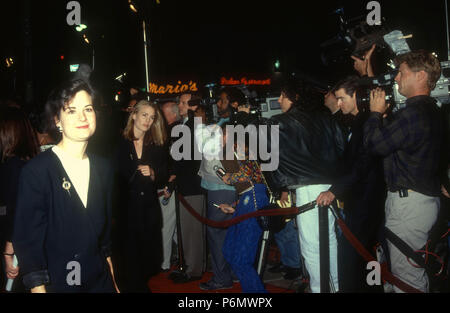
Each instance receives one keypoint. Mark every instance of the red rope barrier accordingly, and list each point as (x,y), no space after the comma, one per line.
(388,276)
(236,220)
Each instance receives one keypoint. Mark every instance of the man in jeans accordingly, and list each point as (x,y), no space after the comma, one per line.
(410,143)
(290,257)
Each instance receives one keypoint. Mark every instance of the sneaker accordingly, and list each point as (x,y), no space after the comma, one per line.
(212,285)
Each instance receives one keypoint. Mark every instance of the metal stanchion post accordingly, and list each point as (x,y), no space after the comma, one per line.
(324,250)
(262,253)
(147,76)
(181,263)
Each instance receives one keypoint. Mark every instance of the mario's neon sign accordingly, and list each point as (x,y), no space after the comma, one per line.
(244,81)
(172,89)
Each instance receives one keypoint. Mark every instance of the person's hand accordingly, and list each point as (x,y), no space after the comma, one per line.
(226,178)
(445,191)
(331,102)
(378,101)
(226,208)
(325,198)
(284,198)
(39,289)
(244,108)
(172,178)
(364,66)
(147,171)
(11,271)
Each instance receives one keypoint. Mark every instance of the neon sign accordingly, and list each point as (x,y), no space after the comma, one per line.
(244,81)
(172,89)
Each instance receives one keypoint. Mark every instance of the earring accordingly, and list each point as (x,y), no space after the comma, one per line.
(60,129)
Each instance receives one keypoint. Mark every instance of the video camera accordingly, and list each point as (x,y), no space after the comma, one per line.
(356,40)
(355,37)
(208,103)
(387,81)
(239,93)
(248,99)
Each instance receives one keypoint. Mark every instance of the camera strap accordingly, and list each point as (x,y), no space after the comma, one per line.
(405,249)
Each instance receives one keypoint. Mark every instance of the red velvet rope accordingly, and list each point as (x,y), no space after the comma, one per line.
(236,220)
(388,276)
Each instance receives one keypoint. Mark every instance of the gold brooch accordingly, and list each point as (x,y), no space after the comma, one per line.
(66,185)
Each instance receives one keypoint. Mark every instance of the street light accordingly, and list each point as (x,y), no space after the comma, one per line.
(134,8)
(9,62)
(86,39)
(80,27)
(277,64)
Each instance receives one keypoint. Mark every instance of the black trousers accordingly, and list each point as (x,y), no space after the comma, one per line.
(139,251)
(352,271)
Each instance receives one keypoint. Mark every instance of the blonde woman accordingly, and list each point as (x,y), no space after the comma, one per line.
(141,157)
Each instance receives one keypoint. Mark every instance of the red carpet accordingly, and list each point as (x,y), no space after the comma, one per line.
(162,284)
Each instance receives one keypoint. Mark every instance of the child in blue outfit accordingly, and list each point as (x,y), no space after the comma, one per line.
(241,242)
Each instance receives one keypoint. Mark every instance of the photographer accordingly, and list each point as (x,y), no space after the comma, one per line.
(188,185)
(410,144)
(311,144)
(225,107)
(360,187)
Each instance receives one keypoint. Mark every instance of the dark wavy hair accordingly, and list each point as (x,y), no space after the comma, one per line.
(350,84)
(303,95)
(17,136)
(309,97)
(60,97)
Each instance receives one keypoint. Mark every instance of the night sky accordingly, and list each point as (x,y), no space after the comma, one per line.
(196,40)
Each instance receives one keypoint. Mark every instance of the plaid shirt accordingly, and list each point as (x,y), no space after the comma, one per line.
(410,144)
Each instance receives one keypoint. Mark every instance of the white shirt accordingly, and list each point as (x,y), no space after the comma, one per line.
(78,171)
(209,141)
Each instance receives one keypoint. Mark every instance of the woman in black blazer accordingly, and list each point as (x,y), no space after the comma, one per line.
(63,214)
(142,168)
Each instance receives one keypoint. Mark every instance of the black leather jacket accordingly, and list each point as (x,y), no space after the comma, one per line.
(311,148)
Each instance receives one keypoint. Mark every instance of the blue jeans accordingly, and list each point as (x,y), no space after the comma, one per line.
(287,242)
(242,241)
(216,236)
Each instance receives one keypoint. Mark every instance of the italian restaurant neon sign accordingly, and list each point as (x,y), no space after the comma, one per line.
(173,89)
(244,81)
(181,87)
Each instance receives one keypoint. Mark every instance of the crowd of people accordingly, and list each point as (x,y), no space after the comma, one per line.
(87,207)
